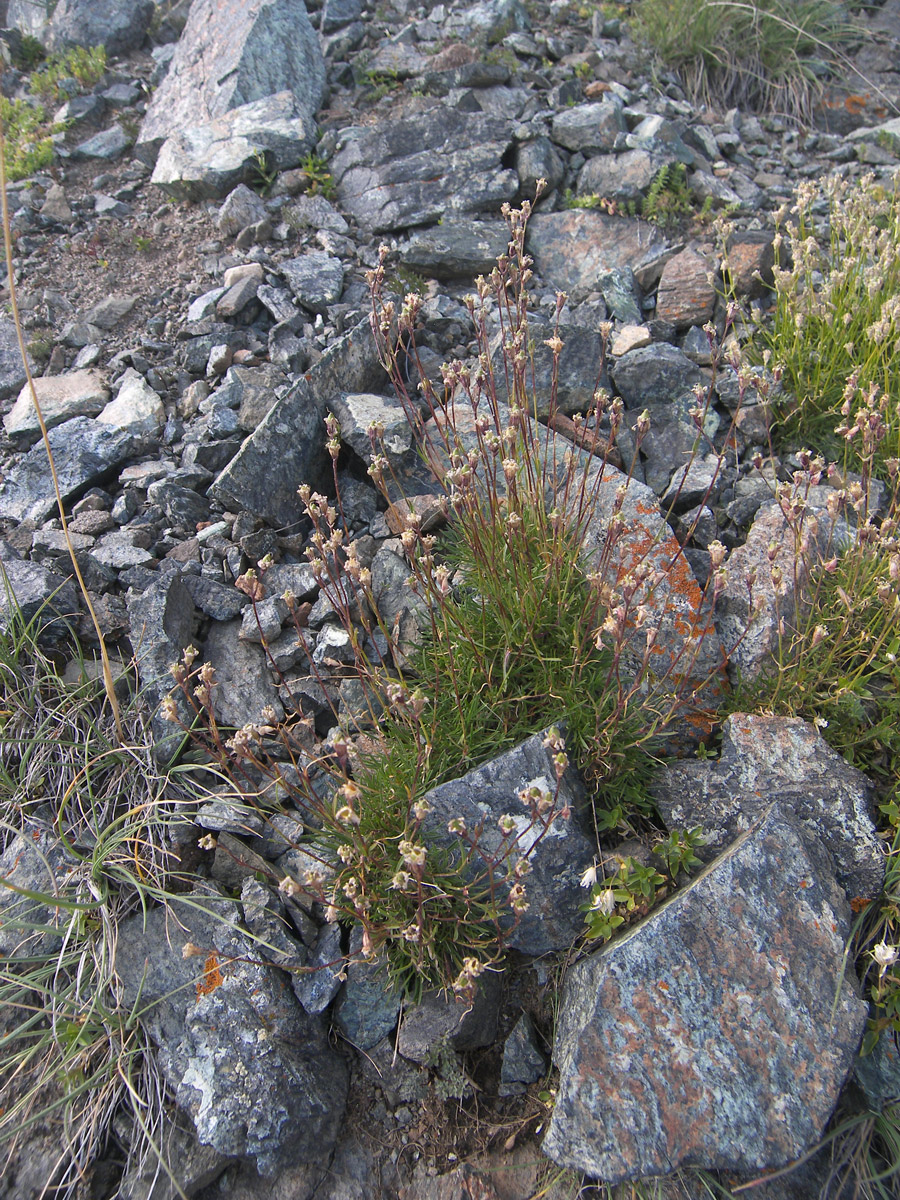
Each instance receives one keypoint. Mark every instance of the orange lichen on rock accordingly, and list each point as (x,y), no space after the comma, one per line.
(211,977)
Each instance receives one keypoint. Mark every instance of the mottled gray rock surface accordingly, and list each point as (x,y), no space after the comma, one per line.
(61,397)
(766,758)
(231,53)
(254,1072)
(557,858)
(287,448)
(206,160)
(412,171)
(84,451)
(602,242)
(39,594)
(119,25)
(712,1034)
(36,862)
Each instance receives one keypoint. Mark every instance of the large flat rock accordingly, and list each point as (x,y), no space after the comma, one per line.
(254,1072)
(718,1032)
(766,757)
(85,452)
(412,171)
(573,249)
(207,160)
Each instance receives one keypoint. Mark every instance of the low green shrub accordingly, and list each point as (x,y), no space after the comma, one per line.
(520,631)
(86,65)
(27,138)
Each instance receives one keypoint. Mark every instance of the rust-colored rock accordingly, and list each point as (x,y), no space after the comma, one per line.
(686,295)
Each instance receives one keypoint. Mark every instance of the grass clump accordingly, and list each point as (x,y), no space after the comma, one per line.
(767,54)
(835,326)
(90,814)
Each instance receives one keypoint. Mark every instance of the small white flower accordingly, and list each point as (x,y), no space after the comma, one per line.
(885,956)
(589,878)
(604,901)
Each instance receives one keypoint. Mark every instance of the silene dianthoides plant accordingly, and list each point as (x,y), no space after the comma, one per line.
(520,630)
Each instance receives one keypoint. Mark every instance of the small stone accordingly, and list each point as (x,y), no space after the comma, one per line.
(316,279)
(110,144)
(523,1062)
(242,207)
(630,337)
(56,206)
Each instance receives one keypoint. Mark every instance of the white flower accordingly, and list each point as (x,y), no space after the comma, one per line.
(885,956)
(604,901)
(589,878)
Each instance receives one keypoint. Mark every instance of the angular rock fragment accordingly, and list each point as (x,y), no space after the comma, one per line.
(84,451)
(712,1034)
(523,1062)
(117,25)
(747,616)
(244,685)
(208,160)
(457,249)
(162,621)
(61,397)
(34,861)
(231,53)
(288,447)
(251,1068)
(603,242)
(766,758)
(412,171)
(557,858)
(686,293)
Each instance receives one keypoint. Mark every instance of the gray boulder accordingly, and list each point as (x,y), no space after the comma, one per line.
(747,617)
(61,397)
(232,53)
(603,242)
(118,25)
(765,758)
(33,861)
(251,1068)
(657,373)
(29,16)
(718,1032)
(457,249)
(162,620)
(207,160)
(85,453)
(415,170)
(288,447)
(37,594)
(244,685)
